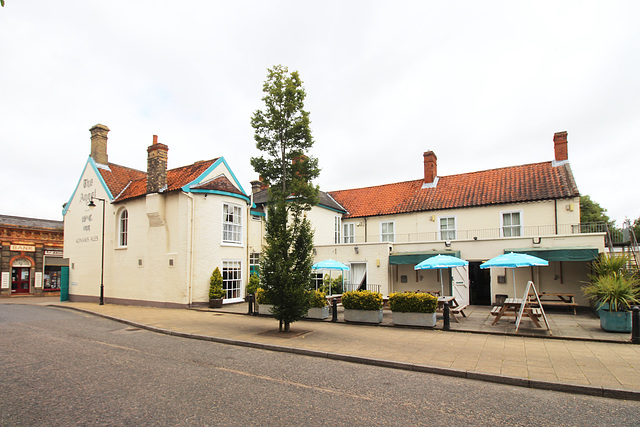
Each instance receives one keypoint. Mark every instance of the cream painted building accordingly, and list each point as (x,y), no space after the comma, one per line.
(382,232)
(155,237)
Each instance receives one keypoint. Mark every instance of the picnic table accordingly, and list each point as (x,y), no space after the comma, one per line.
(512,307)
(558,299)
(454,307)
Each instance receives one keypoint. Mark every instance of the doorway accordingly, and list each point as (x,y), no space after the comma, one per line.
(479,284)
(20,280)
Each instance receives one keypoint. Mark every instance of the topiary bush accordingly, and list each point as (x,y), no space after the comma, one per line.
(254,283)
(412,302)
(263,297)
(362,300)
(215,285)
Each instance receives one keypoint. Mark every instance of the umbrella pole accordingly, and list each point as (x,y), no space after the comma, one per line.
(513,271)
(441,283)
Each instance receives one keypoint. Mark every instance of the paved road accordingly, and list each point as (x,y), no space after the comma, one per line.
(63,368)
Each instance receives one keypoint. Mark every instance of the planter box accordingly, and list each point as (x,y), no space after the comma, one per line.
(265,309)
(363,316)
(318,313)
(215,303)
(414,319)
(615,321)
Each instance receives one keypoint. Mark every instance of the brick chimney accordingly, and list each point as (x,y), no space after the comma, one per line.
(560,146)
(156,166)
(99,144)
(430,167)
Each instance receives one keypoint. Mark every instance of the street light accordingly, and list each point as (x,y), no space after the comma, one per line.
(91,206)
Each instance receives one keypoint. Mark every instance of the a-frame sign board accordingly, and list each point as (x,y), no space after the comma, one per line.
(526,305)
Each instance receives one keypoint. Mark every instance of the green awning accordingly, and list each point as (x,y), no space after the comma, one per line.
(559,254)
(415,258)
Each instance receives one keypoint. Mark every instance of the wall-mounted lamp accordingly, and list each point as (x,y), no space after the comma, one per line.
(536,240)
(447,243)
(315,252)
(356,249)
(475,237)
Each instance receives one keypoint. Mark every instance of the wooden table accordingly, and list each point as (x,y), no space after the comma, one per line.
(453,304)
(511,308)
(558,299)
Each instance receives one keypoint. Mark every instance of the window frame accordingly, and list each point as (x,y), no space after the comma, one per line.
(348,237)
(393,232)
(236,228)
(453,230)
(234,267)
(511,227)
(337,229)
(123,228)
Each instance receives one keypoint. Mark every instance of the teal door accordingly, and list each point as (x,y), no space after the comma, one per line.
(64,284)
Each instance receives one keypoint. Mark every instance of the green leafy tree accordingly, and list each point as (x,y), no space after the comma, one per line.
(283,135)
(591,211)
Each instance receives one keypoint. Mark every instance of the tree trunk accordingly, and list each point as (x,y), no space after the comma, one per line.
(287,326)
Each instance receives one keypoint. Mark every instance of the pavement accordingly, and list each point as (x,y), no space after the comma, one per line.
(582,365)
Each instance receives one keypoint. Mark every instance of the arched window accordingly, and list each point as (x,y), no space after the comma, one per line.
(123,228)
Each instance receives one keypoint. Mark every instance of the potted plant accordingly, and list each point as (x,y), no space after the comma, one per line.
(362,306)
(319,307)
(254,283)
(413,309)
(216,293)
(613,290)
(265,305)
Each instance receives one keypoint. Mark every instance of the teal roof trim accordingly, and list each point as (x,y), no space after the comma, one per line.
(223,193)
(198,180)
(91,162)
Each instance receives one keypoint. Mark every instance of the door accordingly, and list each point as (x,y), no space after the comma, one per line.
(460,284)
(479,284)
(358,275)
(20,280)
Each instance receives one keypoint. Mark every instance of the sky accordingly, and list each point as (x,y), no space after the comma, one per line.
(482,84)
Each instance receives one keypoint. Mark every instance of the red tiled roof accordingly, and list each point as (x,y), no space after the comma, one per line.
(126,183)
(220,183)
(538,181)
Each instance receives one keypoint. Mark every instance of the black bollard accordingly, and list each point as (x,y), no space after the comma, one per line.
(334,309)
(635,325)
(445,314)
(250,300)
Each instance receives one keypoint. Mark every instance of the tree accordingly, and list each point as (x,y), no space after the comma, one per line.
(591,211)
(283,135)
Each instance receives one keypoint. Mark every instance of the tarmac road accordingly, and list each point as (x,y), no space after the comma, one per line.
(60,367)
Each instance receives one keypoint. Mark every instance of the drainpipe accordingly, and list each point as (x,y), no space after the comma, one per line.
(556,214)
(190,263)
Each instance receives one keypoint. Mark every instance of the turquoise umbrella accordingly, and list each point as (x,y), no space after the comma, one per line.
(330,265)
(513,260)
(439,262)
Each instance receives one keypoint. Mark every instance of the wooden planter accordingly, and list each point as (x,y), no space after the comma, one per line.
(414,319)
(215,303)
(362,316)
(265,309)
(318,313)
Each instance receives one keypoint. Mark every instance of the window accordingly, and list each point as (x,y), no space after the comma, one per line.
(387,233)
(231,278)
(349,235)
(511,224)
(254,262)
(231,224)
(448,228)
(336,229)
(123,228)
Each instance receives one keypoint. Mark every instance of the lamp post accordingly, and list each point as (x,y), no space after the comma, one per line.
(91,206)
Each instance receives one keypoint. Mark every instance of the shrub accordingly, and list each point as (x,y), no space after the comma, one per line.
(318,299)
(254,283)
(215,285)
(263,297)
(411,302)
(618,290)
(362,300)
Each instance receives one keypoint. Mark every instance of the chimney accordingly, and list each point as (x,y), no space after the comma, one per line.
(99,144)
(560,146)
(430,167)
(156,166)
(256,186)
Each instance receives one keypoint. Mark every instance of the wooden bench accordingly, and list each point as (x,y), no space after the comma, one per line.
(459,310)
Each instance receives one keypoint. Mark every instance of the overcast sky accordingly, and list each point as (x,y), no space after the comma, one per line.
(483,84)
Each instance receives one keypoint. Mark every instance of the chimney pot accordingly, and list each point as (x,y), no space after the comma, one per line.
(560,146)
